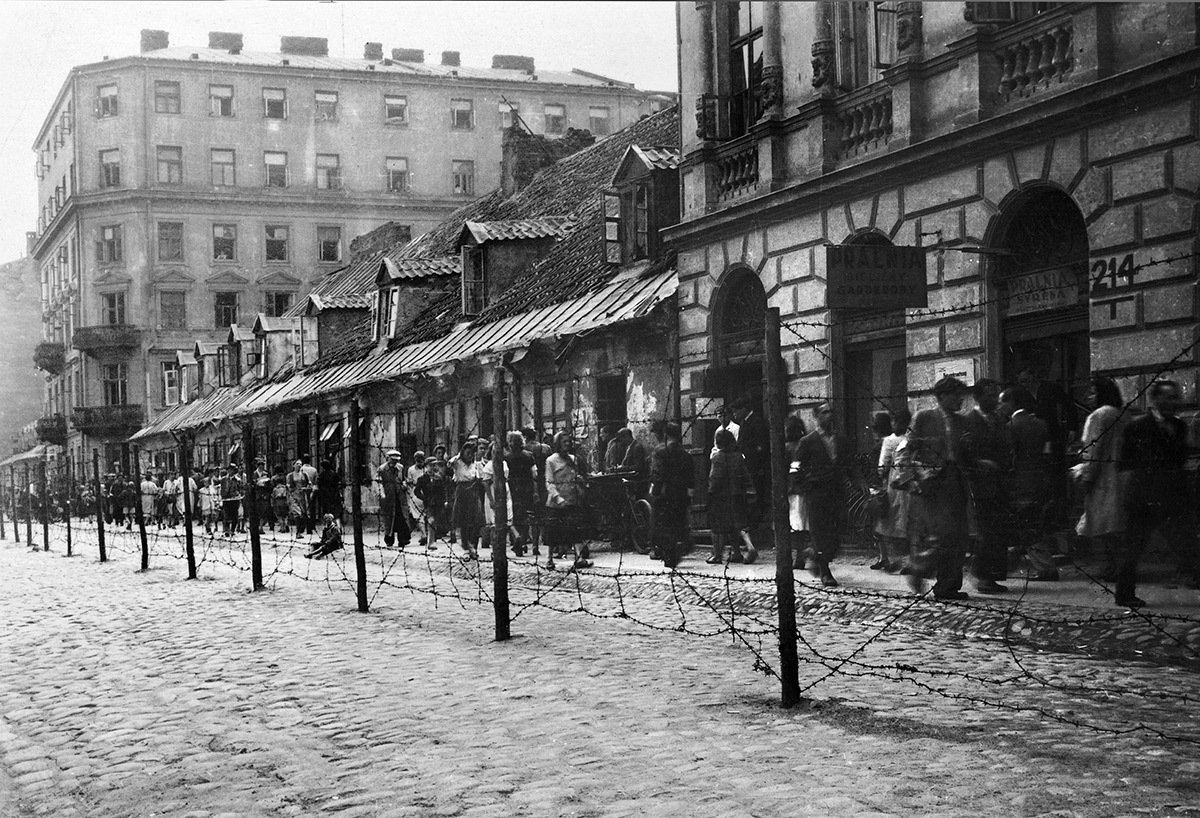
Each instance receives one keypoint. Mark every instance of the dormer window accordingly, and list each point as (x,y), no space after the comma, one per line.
(385,312)
(474,281)
(644,199)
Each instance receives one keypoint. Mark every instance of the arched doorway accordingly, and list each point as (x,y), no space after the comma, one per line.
(874,374)
(739,324)
(1040,287)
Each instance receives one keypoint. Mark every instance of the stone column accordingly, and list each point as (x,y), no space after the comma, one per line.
(907,111)
(824,78)
(706,125)
(770,91)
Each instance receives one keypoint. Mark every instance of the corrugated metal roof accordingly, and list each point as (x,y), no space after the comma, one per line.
(509,229)
(416,69)
(240,333)
(208,409)
(268,323)
(421,267)
(35,454)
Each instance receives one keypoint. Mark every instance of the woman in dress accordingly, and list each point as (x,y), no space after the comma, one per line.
(297,494)
(728,513)
(564,502)
(329,490)
(1103,520)
(891,530)
(793,430)
(467,516)
(487,474)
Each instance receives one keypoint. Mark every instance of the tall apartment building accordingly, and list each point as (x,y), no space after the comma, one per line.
(184,191)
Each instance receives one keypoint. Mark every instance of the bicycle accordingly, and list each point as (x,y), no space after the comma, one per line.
(619,512)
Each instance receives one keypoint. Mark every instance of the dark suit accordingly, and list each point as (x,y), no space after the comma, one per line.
(754,442)
(941,504)
(987,438)
(1152,457)
(1030,491)
(823,482)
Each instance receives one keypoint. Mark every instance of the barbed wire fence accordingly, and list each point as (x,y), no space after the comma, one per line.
(718,603)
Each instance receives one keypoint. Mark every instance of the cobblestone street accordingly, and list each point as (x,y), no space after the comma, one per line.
(138,694)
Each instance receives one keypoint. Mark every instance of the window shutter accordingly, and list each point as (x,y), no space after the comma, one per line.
(612,227)
(392,318)
(99,251)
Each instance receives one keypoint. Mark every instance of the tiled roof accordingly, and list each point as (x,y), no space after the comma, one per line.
(341,302)
(422,267)
(508,229)
(659,158)
(269,323)
(386,66)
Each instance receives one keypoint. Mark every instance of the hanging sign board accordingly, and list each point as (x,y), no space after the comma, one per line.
(1037,292)
(961,368)
(878,277)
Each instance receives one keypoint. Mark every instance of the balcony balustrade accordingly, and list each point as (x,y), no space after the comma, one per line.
(1033,59)
(107,338)
(52,429)
(865,118)
(120,420)
(50,356)
(737,168)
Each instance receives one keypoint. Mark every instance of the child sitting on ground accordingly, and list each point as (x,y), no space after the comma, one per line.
(331,539)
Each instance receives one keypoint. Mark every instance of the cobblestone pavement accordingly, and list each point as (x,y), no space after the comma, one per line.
(137,694)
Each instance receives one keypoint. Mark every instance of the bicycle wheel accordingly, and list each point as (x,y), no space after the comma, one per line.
(641,525)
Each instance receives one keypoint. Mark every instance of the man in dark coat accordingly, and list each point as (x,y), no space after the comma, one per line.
(1152,457)
(990,449)
(1029,488)
(754,442)
(671,484)
(825,459)
(391,513)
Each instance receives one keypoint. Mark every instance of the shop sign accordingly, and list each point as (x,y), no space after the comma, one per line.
(1038,292)
(961,368)
(875,277)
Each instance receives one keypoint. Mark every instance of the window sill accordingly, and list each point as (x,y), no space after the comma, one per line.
(221,116)
(395,124)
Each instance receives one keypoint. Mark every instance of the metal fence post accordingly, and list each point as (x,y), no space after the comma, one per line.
(69,493)
(500,514)
(139,512)
(99,504)
(251,503)
(785,590)
(360,557)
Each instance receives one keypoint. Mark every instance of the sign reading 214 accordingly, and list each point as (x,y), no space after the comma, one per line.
(1112,273)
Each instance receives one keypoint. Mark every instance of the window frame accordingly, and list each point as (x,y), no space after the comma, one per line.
(508,111)
(169,164)
(222,311)
(169,240)
(268,165)
(400,101)
(328,176)
(281,100)
(228,169)
(219,105)
(233,241)
(745,70)
(325,110)
(110,247)
(455,112)
(474,280)
(109,178)
(322,243)
(389,178)
(168,94)
(607,119)
(113,309)
(457,166)
(167,317)
(271,303)
(107,105)
(559,119)
(168,369)
(114,383)
(285,243)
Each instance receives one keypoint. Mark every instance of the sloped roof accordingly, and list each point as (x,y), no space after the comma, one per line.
(268,323)
(339,302)
(659,158)
(510,229)
(421,267)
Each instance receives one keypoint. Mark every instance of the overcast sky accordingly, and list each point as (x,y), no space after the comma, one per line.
(41,41)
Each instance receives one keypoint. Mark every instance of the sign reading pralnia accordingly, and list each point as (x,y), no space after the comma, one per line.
(875,276)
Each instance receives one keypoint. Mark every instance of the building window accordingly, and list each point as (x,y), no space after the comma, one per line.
(474,282)
(462,114)
(641,221)
(277,242)
(112,308)
(170,382)
(170,241)
(226,307)
(166,97)
(883,34)
(1006,12)
(274,103)
(554,407)
(106,100)
(220,100)
(329,244)
(223,167)
(224,242)
(611,407)
(396,170)
(329,171)
(276,168)
(385,312)
(598,120)
(556,118)
(325,105)
(109,248)
(170,165)
(462,177)
(509,111)
(745,65)
(172,309)
(275,304)
(110,168)
(115,378)
(395,109)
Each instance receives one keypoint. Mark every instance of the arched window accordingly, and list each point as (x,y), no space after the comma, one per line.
(743,307)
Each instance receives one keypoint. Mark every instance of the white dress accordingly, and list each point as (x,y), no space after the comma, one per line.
(487,471)
(895,524)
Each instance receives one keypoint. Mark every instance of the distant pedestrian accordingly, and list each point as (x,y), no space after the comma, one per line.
(986,440)
(329,490)
(210,501)
(728,485)
(467,513)
(825,464)
(390,476)
(279,501)
(416,509)
(1030,497)
(430,490)
(892,526)
(233,491)
(522,489)
(310,504)
(297,492)
(798,526)
(564,503)
(1098,475)
(671,485)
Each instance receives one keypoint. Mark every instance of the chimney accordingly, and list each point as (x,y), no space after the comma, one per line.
(513,62)
(304,46)
(523,154)
(373,51)
(408,55)
(153,39)
(451,58)
(389,234)
(226,41)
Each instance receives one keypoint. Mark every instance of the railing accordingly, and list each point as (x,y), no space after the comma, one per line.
(737,169)
(865,120)
(52,429)
(120,419)
(106,337)
(1035,59)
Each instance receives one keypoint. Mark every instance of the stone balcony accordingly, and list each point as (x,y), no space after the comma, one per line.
(120,420)
(52,429)
(107,339)
(50,356)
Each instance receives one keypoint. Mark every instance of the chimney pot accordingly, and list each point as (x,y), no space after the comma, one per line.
(408,55)
(373,51)
(513,62)
(153,39)
(451,58)
(230,41)
(304,46)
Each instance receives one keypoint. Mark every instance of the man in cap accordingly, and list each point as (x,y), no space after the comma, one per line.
(391,514)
